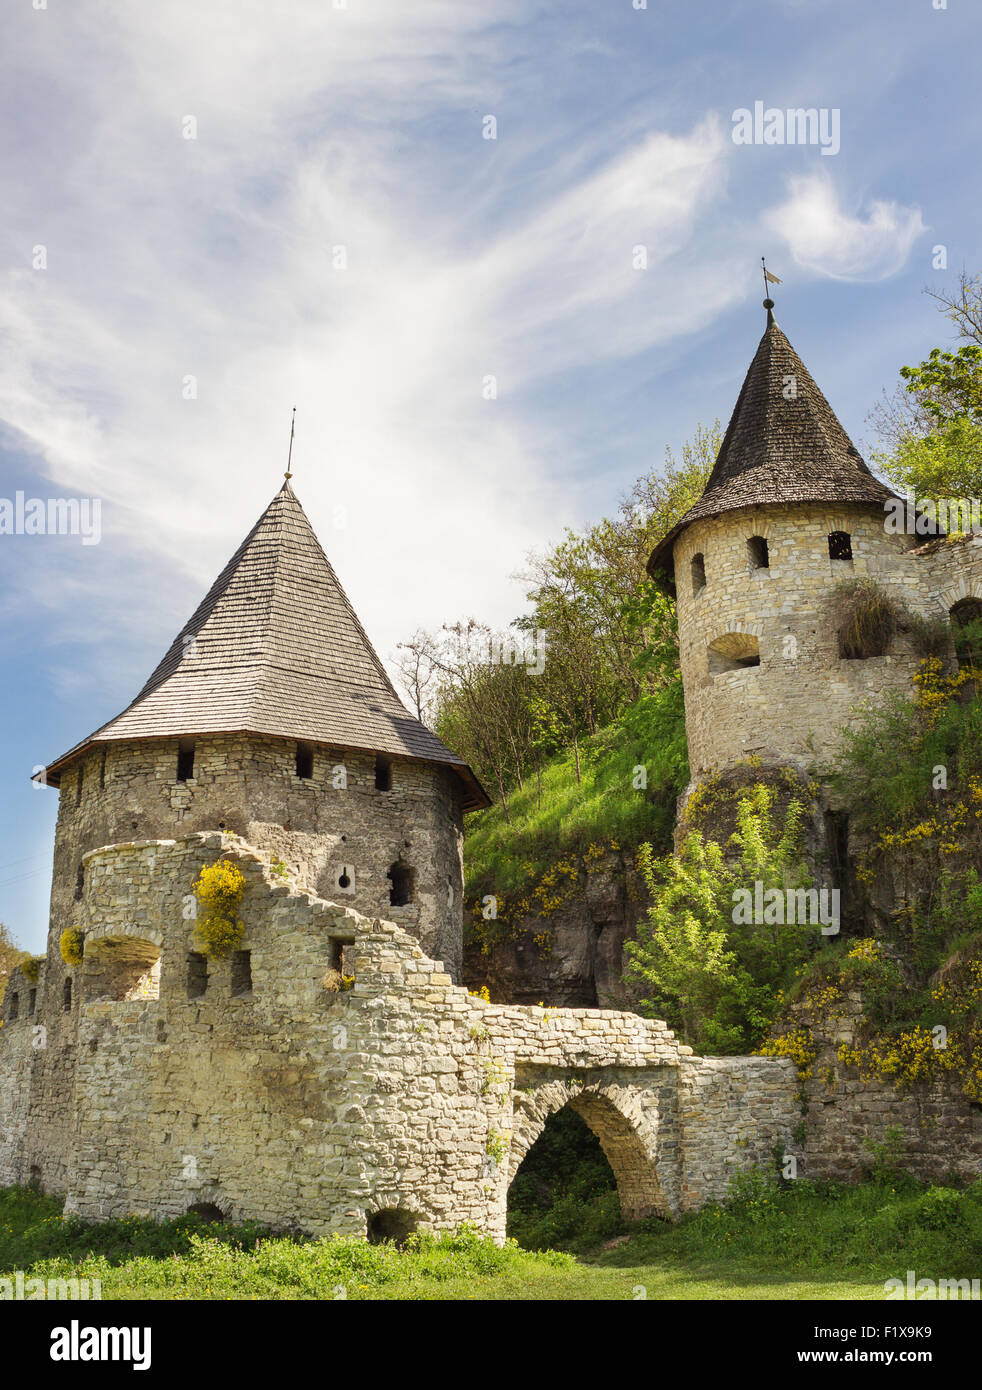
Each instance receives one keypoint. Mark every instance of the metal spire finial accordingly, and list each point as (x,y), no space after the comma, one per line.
(293,420)
(768,301)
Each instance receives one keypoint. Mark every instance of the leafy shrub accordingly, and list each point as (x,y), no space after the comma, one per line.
(865,617)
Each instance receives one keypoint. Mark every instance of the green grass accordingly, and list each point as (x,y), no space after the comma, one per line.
(797,1241)
(502,857)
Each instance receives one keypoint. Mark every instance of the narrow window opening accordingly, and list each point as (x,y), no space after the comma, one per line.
(837,843)
(79,882)
(757,553)
(102,769)
(66,996)
(185,760)
(403,880)
(840,545)
(32,1000)
(241,973)
(305,761)
(383,774)
(14,1008)
(78,786)
(197,975)
(341,975)
(698,573)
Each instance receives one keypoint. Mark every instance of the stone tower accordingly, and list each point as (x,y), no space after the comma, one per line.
(272,718)
(790,510)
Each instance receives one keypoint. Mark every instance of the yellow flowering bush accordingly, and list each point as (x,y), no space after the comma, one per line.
(219,929)
(72,946)
(796,1044)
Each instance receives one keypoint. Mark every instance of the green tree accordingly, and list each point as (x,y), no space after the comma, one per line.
(711,975)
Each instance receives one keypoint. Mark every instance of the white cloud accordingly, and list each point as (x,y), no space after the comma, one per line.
(212,258)
(823,237)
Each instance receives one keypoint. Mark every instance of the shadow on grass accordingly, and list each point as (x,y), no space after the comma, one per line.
(33,1228)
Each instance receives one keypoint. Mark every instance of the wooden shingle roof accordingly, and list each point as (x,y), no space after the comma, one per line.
(275,648)
(783,444)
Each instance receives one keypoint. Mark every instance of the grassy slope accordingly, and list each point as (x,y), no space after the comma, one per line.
(501,857)
(799,1242)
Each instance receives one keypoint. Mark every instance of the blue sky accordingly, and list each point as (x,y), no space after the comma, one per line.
(339,236)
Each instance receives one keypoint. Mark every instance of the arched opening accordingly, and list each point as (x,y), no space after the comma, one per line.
(966,632)
(207,1211)
(732,652)
(393,1224)
(564,1193)
(123,967)
(622,1123)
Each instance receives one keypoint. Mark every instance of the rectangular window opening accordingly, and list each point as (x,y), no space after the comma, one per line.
(32,1000)
(241,974)
(66,996)
(757,553)
(305,761)
(185,760)
(383,774)
(197,975)
(840,545)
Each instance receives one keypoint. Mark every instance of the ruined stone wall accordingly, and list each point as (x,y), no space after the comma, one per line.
(17,1057)
(249,786)
(313,1109)
(940,1129)
(795,704)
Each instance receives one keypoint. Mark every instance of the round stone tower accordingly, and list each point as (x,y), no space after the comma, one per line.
(790,511)
(271,716)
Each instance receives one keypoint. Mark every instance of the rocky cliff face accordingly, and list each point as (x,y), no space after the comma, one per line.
(571,958)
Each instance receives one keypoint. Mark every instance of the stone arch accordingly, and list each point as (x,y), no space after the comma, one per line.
(733,651)
(394,1224)
(118,964)
(626,1126)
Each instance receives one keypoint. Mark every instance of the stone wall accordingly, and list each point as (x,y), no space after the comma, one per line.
(941,1130)
(248,785)
(316,1109)
(321,826)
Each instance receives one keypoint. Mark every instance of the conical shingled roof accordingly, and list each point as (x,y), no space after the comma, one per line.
(275,648)
(779,447)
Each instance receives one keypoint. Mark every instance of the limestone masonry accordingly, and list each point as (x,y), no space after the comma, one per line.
(331,1074)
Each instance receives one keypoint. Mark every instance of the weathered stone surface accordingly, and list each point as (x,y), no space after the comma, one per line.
(310,1108)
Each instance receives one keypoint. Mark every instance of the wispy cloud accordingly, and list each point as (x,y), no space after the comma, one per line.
(824,237)
(216,258)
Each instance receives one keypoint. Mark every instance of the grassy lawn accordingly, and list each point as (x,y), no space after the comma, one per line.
(807,1243)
